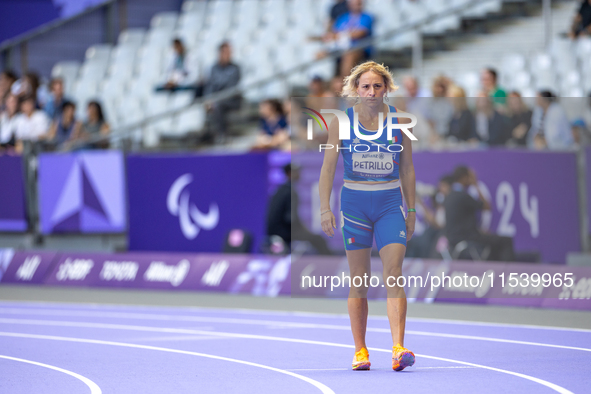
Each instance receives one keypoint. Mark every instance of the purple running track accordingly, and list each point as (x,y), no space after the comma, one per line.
(66,348)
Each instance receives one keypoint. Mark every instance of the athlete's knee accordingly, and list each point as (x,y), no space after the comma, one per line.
(358,292)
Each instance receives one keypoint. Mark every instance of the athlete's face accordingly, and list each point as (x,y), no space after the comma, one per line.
(372,86)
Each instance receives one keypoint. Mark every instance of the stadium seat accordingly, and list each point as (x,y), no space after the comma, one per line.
(190,120)
(68,72)
(132,37)
(164,21)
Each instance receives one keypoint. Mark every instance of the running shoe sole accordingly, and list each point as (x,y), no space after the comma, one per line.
(362,366)
(406,360)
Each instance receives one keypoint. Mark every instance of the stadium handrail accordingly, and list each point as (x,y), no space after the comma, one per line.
(125,131)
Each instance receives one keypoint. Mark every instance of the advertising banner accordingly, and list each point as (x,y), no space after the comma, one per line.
(29,267)
(12,194)
(588,185)
(533,195)
(257,275)
(190,203)
(511,284)
(82,192)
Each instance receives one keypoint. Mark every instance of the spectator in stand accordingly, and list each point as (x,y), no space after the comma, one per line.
(32,124)
(461,217)
(224,75)
(8,119)
(440,108)
(27,86)
(519,119)
(491,125)
(550,126)
(95,126)
(66,128)
(178,71)
(53,107)
(462,126)
(490,86)
(338,9)
(274,133)
(415,96)
(7,78)
(317,93)
(423,130)
(582,22)
(347,30)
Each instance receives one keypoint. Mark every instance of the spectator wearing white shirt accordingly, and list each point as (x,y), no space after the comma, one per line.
(8,123)
(32,124)
(550,126)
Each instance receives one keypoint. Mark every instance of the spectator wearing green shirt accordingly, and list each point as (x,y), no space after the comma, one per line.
(488,80)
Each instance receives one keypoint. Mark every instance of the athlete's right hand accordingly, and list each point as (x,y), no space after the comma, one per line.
(329,223)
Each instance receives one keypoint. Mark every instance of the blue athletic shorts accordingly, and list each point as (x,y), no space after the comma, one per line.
(368,212)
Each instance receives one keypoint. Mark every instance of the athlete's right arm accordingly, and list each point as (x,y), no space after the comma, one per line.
(329,165)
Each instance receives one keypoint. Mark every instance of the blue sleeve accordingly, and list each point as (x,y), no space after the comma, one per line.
(366,21)
(341,22)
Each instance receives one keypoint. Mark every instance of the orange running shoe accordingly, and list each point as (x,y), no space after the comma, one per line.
(361,360)
(401,358)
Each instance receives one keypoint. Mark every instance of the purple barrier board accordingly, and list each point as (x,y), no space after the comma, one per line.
(511,284)
(82,192)
(189,203)
(540,215)
(29,267)
(12,194)
(257,275)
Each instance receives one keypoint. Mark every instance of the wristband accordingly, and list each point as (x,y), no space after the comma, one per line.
(322,213)
(411,210)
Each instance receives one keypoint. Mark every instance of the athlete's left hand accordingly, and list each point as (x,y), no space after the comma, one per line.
(410,225)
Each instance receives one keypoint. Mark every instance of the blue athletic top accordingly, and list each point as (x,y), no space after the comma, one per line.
(366,160)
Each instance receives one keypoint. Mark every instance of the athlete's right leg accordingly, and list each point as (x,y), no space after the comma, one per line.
(359,264)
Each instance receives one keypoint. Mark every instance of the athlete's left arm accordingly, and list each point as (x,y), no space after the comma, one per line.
(407,180)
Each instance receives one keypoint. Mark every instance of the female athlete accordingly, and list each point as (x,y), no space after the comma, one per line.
(371,204)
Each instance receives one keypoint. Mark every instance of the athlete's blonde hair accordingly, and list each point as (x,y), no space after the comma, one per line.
(351,82)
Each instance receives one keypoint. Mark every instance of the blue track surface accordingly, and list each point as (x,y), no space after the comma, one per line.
(64,348)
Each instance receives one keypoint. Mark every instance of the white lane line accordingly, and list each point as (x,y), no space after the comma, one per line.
(466,367)
(271,338)
(94,388)
(323,388)
(313,326)
(273,313)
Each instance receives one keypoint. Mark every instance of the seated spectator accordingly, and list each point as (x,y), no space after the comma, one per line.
(415,96)
(491,126)
(582,22)
(53,107)
(550,126)
(317,93)
(338,9)
(32,124)
(179,70)
(461,217)
(440,110)
(95,126)
(27,86)
(7,78)
(224,75)
(8,119)
(348,30)
(64,130)
(422,130)
(519,119)
(274,133)
(462,126)
(490,86)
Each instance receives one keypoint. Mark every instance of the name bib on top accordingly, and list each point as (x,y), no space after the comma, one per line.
(373,164)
